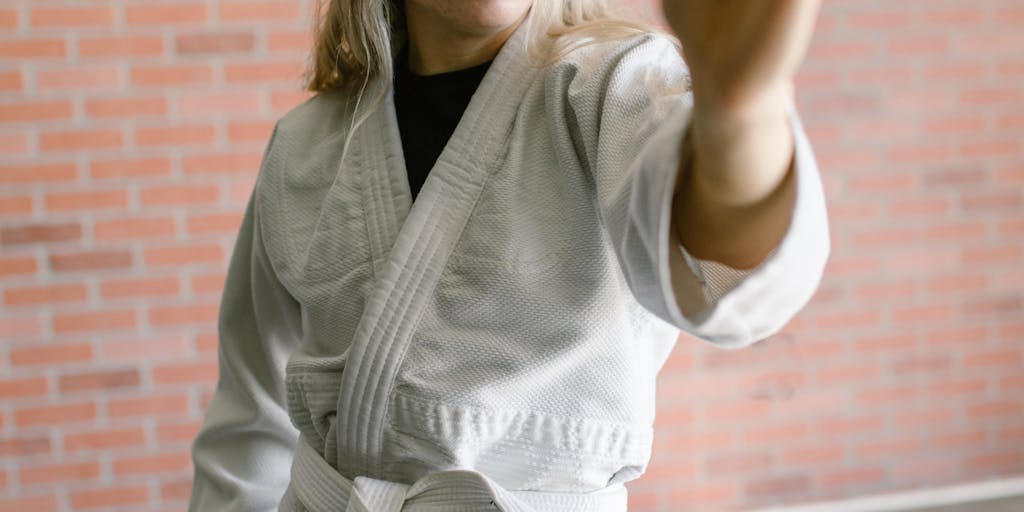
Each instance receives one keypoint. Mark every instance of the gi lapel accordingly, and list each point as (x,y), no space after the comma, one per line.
(414,242)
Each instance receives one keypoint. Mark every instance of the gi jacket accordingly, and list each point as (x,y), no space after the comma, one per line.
(495,344)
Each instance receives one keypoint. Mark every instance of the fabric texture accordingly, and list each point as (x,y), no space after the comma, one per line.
(509,323)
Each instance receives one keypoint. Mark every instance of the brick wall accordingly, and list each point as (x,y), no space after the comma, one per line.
(131,132)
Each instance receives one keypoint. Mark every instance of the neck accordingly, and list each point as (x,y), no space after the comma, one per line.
(437,46)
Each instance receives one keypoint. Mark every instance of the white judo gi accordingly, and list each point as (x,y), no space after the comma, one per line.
(495,344)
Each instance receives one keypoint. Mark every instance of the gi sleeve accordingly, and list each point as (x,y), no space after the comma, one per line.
(243,452)
(642,104)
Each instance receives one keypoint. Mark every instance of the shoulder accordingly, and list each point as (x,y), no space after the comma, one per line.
(650,57)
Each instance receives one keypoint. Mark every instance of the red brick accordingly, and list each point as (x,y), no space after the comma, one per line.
(35,111)
(155,405)
(11,80)
(40,233)
(202,134)
(24,446)
(135,228)
(166,14)
(139,288)
(235,102)
(35,503)
(852,477)
(65,353)
(35,295)
(105,108)
(120,47)
(104,440)
(131,168)
(185,373)
(107,497)
(80,79)
(54,414)
(94,321)
(232,163)
(183,255)
(168,75)
(150,348)
(86,201)
(206,44)
(60,473)
(219,223)
(90,260)
(80,140)
(152,464)
(68,17)
(294,41)
(33,48)
(99,381)
(25,387)
(251,11)
(263,72)
(18,265)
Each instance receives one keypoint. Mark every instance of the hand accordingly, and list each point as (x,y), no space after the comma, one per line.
(741,52)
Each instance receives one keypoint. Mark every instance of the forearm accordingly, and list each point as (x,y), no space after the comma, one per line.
(734,197)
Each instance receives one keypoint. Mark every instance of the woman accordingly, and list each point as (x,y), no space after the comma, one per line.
(494,344)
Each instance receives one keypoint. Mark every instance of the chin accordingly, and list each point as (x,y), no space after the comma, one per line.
(477,15)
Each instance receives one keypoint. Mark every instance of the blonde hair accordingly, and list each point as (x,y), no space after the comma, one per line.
(356,39)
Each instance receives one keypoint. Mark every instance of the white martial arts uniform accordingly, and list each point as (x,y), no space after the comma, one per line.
(495,344)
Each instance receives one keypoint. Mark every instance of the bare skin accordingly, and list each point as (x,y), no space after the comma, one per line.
(733,202)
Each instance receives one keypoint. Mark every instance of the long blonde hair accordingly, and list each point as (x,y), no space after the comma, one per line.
(355,40)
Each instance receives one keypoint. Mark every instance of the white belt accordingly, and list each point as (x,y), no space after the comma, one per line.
(320,488)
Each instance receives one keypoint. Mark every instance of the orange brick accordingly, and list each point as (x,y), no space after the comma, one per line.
(223,223)
(16,205)
(11,80)
(30,295)
(204,134)
(294,41)
(139,288)
(131,229)
(20,326)
(185,255)
(18,265)
(32,112)
(33,174)
(40,233)
(37,503)
(180,490)
(25,387)
(223,163)
(250,131)
(104,380)
(235,102)
(177,432)
(212,284)
(165,14)
(185,373)
(65,17)
(120,47)
(126,107)
(24,446)
(183,315)
(90,260)
(152,464)
(93,321)
(147,76)
(86,201)
(104,440)
(8,18)
(51,354)
(249,11)
(109,497)
(206,43)
(153,405)
(151,348)
(33,49)
(62,473)
(80,140)
(54,414)
(78,79)
(130,168)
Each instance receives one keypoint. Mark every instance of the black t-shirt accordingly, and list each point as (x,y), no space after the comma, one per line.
(428,110)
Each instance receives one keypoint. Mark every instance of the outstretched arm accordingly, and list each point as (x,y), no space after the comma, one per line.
(735,188)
